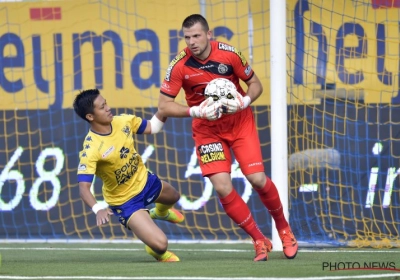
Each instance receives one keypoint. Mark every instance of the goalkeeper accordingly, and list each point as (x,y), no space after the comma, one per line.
(226,123)
(108,152)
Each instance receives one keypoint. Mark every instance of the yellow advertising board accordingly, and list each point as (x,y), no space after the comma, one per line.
(49,51)
(350,46)
(120,47)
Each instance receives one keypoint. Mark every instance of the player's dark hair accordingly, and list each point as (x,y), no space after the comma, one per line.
(84,102)
(193,19)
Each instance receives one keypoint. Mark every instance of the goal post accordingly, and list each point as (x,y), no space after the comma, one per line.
(279,148)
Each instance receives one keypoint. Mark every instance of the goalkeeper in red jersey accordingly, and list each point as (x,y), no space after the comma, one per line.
(192,69)
(128,187)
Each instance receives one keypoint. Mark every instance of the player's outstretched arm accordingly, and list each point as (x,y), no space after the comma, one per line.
(156,124)
(102,215)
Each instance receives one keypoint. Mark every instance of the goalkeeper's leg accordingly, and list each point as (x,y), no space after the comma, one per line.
(270,198)
(150,234)
(163,207)
(248,153)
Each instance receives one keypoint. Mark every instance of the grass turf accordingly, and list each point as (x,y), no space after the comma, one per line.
(197,260)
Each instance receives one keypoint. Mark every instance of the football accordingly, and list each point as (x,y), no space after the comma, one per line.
(220,88)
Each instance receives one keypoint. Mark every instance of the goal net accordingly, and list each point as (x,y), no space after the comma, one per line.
(344,121)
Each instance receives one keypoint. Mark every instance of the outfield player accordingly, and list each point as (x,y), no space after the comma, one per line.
(200,62)
(128,187)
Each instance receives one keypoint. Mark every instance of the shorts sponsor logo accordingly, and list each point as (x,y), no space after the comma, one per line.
(211,152)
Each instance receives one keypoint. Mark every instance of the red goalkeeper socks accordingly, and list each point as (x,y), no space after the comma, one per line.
(270,198)
(239,212)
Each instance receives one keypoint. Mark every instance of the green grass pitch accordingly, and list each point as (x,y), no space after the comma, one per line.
(198,261)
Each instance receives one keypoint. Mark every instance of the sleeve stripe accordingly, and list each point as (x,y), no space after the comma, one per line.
(142,127)
(249,77)
(85,178)
(166,94)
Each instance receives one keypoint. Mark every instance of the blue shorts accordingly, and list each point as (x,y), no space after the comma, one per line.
(148,195)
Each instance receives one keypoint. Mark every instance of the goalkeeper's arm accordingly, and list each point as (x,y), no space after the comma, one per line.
(254,89)
(206,110)
(240,102)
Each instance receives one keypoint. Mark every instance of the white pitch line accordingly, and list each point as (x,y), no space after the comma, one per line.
(188,250)
(373,276)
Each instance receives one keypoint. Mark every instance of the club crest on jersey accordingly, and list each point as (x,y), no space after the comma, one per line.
(228,48)
(126,130)
(222,68)
(211,152)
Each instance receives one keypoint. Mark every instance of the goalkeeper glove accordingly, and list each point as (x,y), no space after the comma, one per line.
(208,109)
(230,106)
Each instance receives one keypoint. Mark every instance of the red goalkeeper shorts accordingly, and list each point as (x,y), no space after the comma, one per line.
(216,140)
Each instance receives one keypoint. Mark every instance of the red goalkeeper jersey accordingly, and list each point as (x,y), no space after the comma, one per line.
(192,74)
(214,139)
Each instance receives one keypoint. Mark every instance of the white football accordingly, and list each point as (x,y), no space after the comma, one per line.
(220,88)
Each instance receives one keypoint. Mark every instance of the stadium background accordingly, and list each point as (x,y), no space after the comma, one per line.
(343,113)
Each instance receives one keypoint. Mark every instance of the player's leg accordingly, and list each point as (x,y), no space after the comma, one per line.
(164,196)
(163,205)
(270,198)
(247,151)
(150,234)
(134,216)
(239,212)
(215,162)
